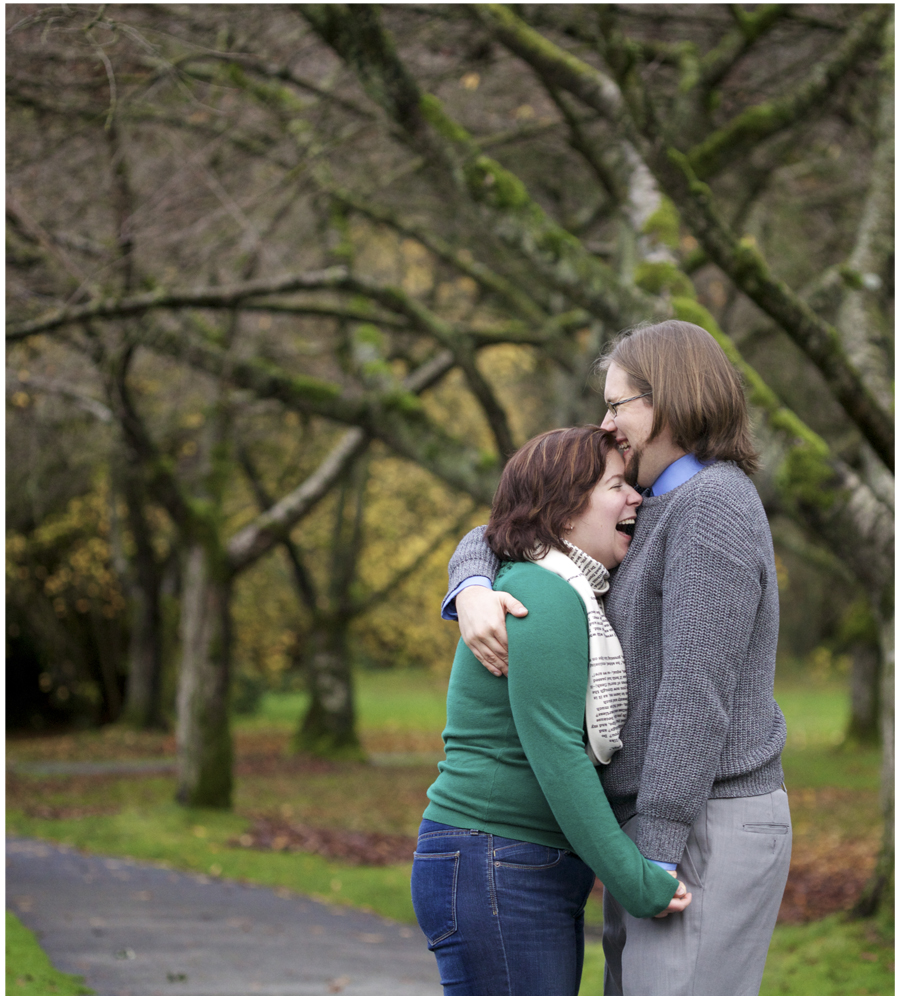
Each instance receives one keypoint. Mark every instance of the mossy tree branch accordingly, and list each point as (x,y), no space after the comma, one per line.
(355,33)
(273,525)
(578,139)
(861,320)
(719,61)
(463,351)
(513,296)
(402,311)
(537,325)
(207,297)
(159,475)
(269,71)
(515,218)
(626,178)
(304,583)
(745,265)
(738,259)
(255,296)
(395,416)
(732,141)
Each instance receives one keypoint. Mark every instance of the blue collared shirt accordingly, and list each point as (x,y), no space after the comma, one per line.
(679,472)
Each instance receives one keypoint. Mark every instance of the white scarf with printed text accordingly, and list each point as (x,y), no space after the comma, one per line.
(606,702)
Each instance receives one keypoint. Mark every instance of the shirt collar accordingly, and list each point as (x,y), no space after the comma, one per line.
(680,471)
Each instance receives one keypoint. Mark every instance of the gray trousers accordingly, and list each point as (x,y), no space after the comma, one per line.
(736,865)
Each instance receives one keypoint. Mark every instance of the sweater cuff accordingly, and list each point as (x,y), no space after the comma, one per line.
(474,565)
(448,607)
(662,838)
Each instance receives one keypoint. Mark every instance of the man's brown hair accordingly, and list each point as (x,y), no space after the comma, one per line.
(546,482)
(696,391)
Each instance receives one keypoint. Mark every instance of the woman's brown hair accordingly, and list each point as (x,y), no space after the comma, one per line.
(546,482)
(697,392)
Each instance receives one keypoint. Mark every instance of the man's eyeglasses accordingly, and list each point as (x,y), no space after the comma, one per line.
(613,407)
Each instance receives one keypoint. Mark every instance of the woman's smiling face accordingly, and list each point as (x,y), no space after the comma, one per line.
(599,530)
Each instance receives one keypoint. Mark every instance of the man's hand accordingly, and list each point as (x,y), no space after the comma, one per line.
(680,900)
(482,623)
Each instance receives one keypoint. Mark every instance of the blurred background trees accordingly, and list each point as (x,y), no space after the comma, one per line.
(286,284)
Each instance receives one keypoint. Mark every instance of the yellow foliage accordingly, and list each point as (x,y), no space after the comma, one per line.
(455,298)
(418,269)
(377,252)
(70,556)
(268,620)
(406,511)
(781,571)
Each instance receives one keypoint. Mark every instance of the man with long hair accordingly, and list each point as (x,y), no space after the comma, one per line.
(698,783)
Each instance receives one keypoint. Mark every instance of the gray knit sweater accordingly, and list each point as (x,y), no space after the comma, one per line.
(695,606)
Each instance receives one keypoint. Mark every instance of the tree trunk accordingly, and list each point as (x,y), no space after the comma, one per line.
(143,698)
(141,576)
(203,734)
(865,702)
(108,664)
(329,727)
(879,893)
(144,694)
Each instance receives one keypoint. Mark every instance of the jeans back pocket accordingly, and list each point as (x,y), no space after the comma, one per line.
(433,885)
(519,854)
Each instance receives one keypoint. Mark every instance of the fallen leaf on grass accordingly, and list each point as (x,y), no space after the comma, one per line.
(827,876)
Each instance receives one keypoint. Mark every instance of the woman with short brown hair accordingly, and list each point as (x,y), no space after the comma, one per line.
(518,824)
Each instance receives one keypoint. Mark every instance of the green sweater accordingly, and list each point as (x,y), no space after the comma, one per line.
(515,762)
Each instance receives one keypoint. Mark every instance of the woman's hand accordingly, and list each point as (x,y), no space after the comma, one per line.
(482,624)
(680,900)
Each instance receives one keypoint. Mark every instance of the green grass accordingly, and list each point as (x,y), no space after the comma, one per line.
(29,972)
(833,791)
(592,976)
(397,700)
(831,957)
(816,714)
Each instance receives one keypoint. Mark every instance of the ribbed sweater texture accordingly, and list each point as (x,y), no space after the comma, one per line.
(515,759)
(695,606)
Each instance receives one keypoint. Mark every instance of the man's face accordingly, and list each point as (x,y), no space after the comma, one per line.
(644,459)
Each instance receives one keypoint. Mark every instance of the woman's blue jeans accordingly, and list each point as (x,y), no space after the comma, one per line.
(503,917)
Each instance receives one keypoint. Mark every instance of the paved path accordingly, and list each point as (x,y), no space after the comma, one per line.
(140,930)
